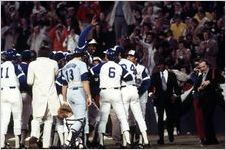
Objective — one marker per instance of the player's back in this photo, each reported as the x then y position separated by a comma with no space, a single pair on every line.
110,75
8,75
130,67
44,70
72,72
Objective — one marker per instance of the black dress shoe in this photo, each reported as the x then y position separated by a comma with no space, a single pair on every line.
210,142
171,138
101,146
160,142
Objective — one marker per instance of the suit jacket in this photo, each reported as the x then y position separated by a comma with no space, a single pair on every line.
41,75
172,86
209,92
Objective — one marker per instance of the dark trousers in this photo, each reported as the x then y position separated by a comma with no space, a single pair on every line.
198,119
208,107
168,107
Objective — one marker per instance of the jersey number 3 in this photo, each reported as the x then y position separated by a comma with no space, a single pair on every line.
4,72
69,74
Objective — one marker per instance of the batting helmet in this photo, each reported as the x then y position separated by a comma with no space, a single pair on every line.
111,54
11,54
26,55
78,52
59,56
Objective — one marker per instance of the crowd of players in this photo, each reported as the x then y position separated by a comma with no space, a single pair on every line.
165,51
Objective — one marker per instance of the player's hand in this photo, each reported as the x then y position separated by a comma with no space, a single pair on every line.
89,101
64,103
94,20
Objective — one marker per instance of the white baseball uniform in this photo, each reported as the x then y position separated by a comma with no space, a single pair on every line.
73,75
11,100
131,98
143,82
110,75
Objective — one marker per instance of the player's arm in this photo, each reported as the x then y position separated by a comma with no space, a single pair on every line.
83,35
61,81
95,70
126,76
85,82
20,74
146,82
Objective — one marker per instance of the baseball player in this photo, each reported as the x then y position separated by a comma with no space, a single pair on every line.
12,77
131,98
76,92
142,80
26,96
58,122
110,74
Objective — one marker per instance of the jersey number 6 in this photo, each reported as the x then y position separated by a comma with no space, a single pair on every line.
111,73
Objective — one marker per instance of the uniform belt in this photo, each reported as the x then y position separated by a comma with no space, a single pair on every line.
130,84
11,87
110,88
75,88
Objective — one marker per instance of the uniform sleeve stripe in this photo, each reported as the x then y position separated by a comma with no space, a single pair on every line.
146,78
58,83
21,74
126,74
91,70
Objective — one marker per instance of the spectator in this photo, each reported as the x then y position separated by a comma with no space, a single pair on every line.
37,39
148,44
57,35
9,35
71,41
121,17
178,27
38,8
182,56
24,33
208,49
85,13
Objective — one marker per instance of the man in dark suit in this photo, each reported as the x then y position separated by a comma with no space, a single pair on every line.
208,83
166,91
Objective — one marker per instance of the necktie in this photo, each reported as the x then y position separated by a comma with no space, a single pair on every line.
164,86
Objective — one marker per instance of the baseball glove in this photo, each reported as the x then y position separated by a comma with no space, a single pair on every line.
64,111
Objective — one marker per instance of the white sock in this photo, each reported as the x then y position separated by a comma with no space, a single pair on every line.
145,137
124,143
140,139
67,142
126,134
2,140
17,141
55,139
61,136
101,136
65,137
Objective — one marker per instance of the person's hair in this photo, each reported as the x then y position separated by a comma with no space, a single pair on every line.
206,61
44,52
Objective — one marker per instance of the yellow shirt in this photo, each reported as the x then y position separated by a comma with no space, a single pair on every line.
178,30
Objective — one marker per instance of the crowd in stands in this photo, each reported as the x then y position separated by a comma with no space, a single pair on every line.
179,31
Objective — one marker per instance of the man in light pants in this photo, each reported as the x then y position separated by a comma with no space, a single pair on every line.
45,103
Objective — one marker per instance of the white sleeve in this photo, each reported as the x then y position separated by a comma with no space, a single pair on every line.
30,75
